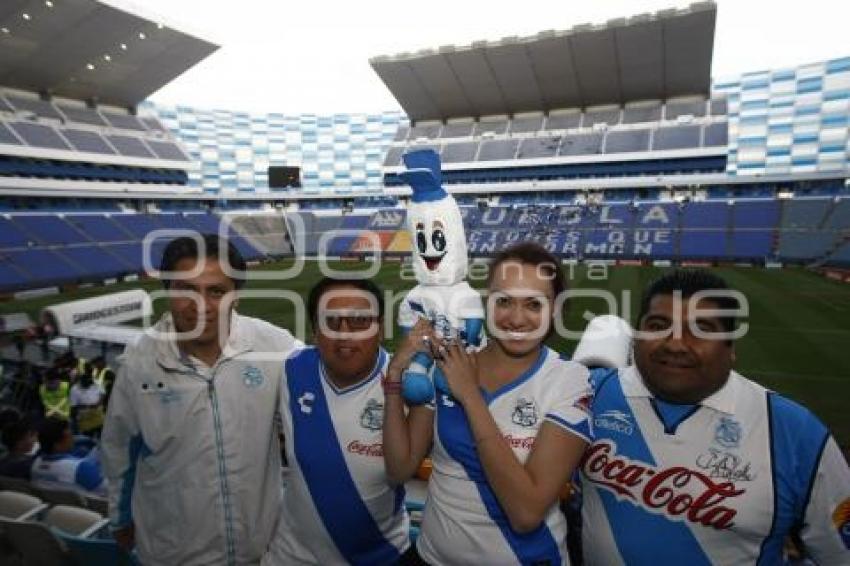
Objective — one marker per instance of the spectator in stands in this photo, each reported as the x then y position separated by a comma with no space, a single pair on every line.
58,466
190,444
54,395
509,437
102,373
20,438
87,402
8,415
339,506
689,453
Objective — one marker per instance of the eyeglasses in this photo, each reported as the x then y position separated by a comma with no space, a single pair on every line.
355,322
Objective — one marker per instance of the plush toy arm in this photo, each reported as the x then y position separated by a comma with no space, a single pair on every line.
472,328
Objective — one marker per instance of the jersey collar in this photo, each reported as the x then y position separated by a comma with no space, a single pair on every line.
722,400
376,371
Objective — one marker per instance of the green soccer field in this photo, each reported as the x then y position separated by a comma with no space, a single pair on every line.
798,342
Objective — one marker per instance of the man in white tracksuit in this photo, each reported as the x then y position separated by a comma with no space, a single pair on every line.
190,445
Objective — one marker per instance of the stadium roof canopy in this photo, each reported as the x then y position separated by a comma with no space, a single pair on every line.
649,56
85,49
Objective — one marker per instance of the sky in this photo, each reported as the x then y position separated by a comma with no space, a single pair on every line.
299,57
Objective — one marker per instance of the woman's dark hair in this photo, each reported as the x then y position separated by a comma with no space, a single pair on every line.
213,246
327,283
530,253
50,432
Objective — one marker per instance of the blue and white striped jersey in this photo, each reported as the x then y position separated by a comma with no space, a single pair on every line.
463,521
338,506
721,483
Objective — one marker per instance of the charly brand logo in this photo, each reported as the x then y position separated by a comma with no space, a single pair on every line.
677,492
616,420
252,377
372,417
728,433
525,412
841,520
724,465
306,402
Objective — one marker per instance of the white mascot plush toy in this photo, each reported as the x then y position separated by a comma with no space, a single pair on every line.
440,264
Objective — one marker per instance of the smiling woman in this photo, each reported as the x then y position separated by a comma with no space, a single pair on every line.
506,436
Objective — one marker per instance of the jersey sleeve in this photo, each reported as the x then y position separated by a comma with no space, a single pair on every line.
826,525
570,408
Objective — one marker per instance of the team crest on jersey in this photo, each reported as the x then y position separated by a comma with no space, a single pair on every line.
372,417
841,520
525,412
252,377
728,433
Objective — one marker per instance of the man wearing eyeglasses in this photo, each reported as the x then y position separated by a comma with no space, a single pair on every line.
338,506
693,463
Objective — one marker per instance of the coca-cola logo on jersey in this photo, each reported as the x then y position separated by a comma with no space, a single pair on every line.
677,492
375,450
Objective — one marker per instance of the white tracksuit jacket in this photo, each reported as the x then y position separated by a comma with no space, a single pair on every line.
192,453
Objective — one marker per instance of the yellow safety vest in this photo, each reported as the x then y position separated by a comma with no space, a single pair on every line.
56,402
99,375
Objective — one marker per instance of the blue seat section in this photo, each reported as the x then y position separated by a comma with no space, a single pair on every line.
355,222
657,215
755,214
805,245
705,215
49,229
11,276
45,267
206,223
95,260
841,256
805,213
99,227
756,245
26,167
703,244
130,254
45,250
11,236
139,225
839,218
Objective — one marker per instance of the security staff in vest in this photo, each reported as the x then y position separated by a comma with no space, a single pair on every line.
54,395
101,373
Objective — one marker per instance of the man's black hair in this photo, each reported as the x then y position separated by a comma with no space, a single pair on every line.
327,283
16,431
213,246
690,282
50,432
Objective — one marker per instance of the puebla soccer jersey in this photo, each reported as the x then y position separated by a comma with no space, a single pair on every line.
720,483
463,521
338,506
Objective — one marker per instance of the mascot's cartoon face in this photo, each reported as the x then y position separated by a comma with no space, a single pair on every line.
435,223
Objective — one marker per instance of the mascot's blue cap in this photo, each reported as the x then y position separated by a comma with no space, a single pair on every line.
423,175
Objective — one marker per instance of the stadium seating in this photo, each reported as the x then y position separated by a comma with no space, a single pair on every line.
675,126
39,250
